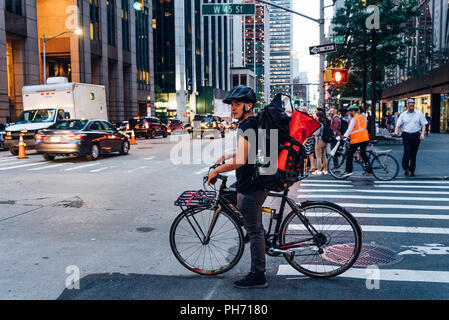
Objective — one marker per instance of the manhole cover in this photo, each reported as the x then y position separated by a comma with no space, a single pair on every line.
369,255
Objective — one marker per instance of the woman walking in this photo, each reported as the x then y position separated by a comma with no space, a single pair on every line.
320,145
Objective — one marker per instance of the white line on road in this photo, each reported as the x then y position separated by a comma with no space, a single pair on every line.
410,187
99,170
342,196
21,166
401,216
374,191
47,167
384,274
332,181
428,249
416,182
83,166
324,185
149,158
394,229
135,169
390,206
11,163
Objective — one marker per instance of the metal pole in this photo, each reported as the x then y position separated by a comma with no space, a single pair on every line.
44,66
321,98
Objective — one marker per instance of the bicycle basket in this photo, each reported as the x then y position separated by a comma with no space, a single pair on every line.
196,198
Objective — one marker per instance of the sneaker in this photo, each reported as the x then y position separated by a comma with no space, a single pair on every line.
346,174
317,173
325,172
252,280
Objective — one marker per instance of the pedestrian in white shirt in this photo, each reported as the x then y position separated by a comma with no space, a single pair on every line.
412,123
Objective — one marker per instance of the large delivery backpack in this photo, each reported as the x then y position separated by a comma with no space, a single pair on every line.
327,134
291,133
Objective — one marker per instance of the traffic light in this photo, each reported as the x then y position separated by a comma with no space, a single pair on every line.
336,76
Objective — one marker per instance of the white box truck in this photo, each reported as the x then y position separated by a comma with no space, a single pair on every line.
59,99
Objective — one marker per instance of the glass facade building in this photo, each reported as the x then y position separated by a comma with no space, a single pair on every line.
280,48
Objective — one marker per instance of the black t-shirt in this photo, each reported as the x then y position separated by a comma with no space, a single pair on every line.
245,173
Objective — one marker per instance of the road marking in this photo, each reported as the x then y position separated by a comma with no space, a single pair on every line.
47,167
324,185
332,181
390,206
342,196
10,163
149,158
135,169
401,216
99,170
8,160
374,191
428,249
394,229
410,187
83,166
415,181
21,166
384,274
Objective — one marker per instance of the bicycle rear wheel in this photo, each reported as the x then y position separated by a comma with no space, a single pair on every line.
336,165
385,167
334,247
219,254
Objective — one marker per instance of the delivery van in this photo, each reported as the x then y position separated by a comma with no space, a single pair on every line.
59,99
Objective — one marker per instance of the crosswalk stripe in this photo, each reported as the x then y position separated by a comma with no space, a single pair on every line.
384,274
149,158
332,181
391,206
83,166
410,187
401,216
375,191
324,185
20,166
47,167
416,182
394,229
365,197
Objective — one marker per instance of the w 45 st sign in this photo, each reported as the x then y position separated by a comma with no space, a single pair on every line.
228,9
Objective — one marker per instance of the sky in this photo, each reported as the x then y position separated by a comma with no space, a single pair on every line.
305,35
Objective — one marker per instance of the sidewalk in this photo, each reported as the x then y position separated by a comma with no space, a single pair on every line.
433,156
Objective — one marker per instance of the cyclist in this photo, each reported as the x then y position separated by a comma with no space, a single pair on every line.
358,133
250,197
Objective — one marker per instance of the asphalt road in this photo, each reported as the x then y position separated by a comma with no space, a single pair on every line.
110,220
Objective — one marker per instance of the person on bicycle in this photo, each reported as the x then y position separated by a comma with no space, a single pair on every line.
250,197
358,134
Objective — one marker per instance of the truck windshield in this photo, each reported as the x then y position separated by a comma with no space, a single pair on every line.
38,115
69,125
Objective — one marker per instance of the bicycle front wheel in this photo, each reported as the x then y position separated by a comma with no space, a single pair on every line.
327,244
209,257
336,165
385,167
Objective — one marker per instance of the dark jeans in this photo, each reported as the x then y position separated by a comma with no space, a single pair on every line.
250,205
411,145
350,156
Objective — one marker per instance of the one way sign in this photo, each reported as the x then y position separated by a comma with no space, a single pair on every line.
332,47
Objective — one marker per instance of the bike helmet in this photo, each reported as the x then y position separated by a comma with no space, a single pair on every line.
353,107
241,93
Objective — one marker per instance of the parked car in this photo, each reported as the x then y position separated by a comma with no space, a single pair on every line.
173,125
122,126
88,138
148,127
3,127
203,125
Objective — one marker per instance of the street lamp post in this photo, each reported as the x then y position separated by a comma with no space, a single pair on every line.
77,32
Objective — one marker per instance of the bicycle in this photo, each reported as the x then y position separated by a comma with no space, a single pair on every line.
384,166
317,238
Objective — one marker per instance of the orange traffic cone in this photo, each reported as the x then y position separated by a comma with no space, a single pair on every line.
22,153
133,138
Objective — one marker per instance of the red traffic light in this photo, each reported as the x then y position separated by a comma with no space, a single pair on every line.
340,76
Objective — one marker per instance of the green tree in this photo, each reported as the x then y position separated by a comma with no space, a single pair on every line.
159,95
356,55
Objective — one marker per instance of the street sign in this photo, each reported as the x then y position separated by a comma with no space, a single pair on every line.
336,39
228,9
323,48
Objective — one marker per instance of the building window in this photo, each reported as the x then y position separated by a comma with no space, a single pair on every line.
235,80
94,20
110,8
14,6
142,50
125,24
